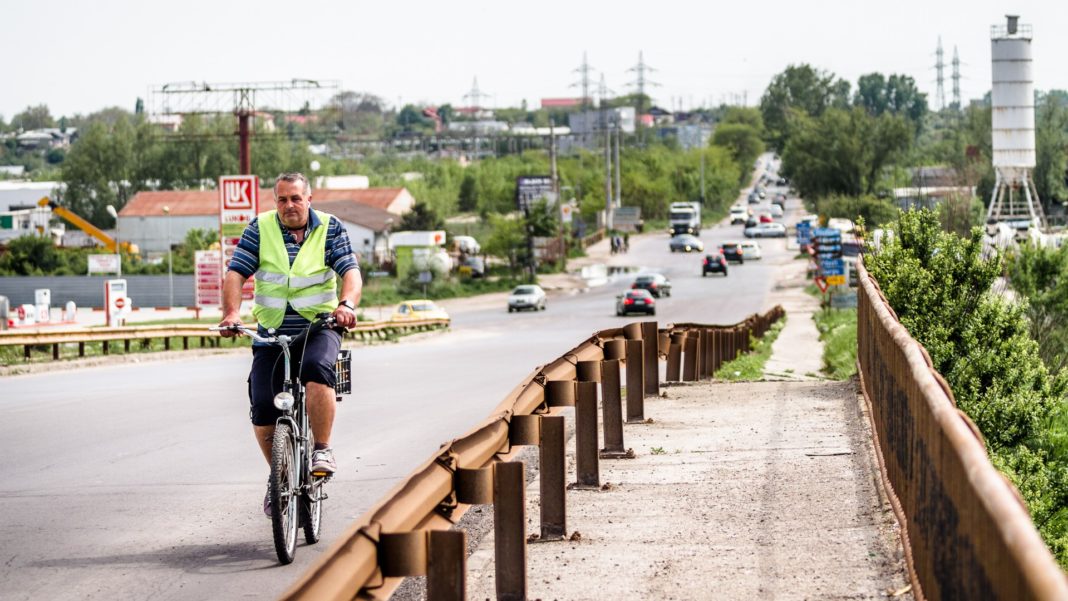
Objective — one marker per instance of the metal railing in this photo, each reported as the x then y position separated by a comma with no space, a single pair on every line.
966,531
409,532
57,338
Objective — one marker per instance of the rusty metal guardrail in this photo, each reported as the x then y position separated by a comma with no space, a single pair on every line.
408,532
56,338
967,533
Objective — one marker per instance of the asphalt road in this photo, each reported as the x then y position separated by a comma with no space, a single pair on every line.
143,481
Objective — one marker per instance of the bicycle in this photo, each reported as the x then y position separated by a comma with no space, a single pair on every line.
296,492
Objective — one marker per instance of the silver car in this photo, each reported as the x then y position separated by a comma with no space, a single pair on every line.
527,296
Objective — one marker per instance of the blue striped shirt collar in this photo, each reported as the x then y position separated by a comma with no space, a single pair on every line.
313,221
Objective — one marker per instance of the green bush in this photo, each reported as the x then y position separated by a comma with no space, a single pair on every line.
940,287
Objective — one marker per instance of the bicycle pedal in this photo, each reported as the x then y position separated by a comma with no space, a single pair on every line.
324,475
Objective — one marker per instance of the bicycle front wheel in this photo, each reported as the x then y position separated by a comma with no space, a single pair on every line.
285,488
311,511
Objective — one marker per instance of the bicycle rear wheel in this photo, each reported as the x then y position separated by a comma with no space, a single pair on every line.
285,482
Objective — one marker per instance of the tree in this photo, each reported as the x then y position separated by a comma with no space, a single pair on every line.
843,151
743,143
875,212
1051,149
508,241
744,115
799,88
421,219
896,94
468,194
34,117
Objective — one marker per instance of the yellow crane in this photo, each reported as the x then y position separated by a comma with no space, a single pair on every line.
108,242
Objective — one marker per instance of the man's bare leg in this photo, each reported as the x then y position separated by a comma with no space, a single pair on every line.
265,438
322,404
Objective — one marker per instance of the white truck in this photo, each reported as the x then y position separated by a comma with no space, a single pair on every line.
685,218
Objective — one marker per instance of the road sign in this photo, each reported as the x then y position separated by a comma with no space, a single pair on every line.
208,291
104,264
239,203
566,211
836,280
832,266
804,233
530,188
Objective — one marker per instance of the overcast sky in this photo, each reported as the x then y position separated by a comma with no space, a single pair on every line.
77,56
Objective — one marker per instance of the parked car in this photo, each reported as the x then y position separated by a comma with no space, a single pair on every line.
714,263
776,211
732,251
473,267
528,296
411,310
657,284
686,243
766,230
751,249
635,301
739,214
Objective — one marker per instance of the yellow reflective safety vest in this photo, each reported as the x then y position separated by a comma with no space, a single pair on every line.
308,285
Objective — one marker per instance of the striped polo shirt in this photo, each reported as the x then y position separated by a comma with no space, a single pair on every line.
339,257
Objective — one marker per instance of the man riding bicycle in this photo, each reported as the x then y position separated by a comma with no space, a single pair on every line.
294,252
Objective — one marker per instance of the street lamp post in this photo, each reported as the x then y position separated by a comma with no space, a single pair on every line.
170,252
118,247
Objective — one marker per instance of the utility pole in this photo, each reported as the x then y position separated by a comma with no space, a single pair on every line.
702,177
602,90
556,192
619,186
956,80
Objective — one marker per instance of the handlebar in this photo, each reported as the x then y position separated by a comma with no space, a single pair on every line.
322,322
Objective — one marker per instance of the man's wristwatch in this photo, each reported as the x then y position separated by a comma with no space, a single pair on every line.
347,305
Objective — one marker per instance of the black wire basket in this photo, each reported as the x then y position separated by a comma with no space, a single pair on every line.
343,372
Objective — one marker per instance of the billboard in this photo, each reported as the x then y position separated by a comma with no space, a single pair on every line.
530,188
239,203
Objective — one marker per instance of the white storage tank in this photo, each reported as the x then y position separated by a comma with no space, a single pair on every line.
1013,99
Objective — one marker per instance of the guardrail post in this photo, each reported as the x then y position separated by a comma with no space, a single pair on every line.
689,368
586,464
650,350
560,393
706,353
612,411
446,572
552,469
635,382
509,531
674,359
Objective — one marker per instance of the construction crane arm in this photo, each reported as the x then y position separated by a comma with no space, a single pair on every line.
108,242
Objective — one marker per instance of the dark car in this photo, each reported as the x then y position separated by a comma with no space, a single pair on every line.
635,301
751,221
732,251
655,283
686,243
715,263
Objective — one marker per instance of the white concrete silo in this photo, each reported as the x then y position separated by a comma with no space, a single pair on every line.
1012,97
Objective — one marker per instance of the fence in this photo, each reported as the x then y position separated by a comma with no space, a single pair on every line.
88,291
967,533
58,339
408,533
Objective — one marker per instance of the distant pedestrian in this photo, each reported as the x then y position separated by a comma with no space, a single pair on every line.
626,241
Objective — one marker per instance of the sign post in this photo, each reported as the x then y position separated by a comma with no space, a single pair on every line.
239,203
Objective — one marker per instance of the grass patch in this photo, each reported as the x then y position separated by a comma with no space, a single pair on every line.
838,331
750,366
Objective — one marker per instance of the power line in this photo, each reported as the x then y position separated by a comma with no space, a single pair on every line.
956,80
642,81
584,72
940,95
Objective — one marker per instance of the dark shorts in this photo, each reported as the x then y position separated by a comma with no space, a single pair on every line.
268,366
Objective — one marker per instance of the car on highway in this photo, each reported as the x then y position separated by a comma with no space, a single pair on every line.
751,221
765,217
686,243
413,310
753,198
739,214
732,251
751,249
761,192
527,296
776,211
780,200
635,301
766,230
656,283
714,263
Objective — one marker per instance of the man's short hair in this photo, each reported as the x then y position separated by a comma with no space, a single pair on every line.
293,178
